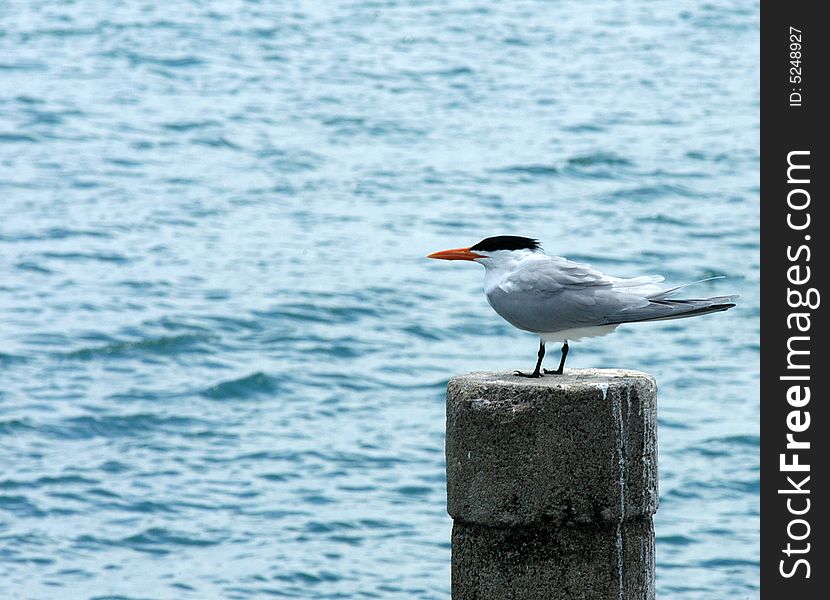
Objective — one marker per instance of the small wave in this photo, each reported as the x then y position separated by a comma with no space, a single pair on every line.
165,345
61,480
124,162
454,72
351,126
84,184
291,161
8,359
680,494
44,118
136,58
727,446
715,563
751,441
533,170
649,192
114,466
217,142
12,426
16,137
305,578
141,506
341,350
598,159
23,66
328,526
245,387
82,428
425,333
343,120
159,535
184,126
54,233
20,506
155,540
674,540
660,219
278,477
318,314
33,267
585,127
414,490
100,256
234,324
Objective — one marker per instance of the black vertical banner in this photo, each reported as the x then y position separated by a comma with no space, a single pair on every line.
794,414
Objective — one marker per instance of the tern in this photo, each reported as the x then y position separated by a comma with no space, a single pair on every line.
560,300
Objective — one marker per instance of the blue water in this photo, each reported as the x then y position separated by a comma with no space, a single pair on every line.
223,353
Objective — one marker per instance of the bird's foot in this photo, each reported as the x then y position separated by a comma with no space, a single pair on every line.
551,372
534,375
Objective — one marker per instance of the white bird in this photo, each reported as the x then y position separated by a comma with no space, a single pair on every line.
561,300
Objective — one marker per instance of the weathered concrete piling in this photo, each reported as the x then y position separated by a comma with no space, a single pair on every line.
552,484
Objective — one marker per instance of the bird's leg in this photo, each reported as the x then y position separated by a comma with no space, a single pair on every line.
537,372
561,362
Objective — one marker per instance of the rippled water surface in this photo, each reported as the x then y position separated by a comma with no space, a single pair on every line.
223,354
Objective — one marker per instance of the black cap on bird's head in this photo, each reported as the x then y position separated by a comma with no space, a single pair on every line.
488,245
506,242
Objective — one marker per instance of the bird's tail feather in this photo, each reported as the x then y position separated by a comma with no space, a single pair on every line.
663,309
663,294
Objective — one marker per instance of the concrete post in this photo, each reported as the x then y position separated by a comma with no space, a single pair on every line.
552,484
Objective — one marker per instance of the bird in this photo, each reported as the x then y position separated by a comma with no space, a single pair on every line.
561,300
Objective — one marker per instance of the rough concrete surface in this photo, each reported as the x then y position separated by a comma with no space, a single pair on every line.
577,448
590,562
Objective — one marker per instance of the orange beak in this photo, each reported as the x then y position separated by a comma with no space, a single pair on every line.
455,254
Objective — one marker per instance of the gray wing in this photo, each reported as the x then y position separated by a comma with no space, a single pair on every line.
555,294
